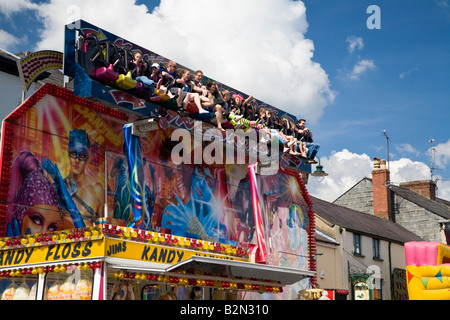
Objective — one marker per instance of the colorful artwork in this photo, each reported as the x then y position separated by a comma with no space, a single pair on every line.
74,163
208,202
58,152
288,228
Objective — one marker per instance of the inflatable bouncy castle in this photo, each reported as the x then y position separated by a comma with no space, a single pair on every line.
428,270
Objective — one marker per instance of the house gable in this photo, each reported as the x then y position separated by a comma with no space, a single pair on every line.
413,211
418,214
359,197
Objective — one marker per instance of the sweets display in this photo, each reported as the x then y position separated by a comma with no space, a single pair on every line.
19,292
73,288
22,292
9,293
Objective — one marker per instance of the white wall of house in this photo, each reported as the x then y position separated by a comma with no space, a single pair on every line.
11,93
392,256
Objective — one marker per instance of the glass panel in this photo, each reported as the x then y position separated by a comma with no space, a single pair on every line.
23,288
72,284
357,243
151,292
376,248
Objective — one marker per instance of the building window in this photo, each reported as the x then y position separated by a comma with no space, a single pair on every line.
376,248
357,244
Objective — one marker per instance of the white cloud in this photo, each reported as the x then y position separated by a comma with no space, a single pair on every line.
361,67
354,43
257,47
9,41
403,75
10,7
443,188
442,154
345,169
442,3
406,148
405,169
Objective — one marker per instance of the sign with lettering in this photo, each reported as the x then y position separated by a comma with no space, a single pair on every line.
400,288
52,253
153,253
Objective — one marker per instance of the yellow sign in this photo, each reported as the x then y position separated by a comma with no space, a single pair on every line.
63,252
52,253
153,253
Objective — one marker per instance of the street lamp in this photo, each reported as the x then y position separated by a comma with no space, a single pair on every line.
320,174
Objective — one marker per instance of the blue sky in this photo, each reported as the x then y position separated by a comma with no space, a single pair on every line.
363,80
407,94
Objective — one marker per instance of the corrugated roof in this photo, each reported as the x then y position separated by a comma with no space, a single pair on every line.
362,223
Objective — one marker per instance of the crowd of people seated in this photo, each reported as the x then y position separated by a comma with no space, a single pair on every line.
195,97
207,102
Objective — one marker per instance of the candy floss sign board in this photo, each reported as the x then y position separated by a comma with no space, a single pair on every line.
53,160
155,253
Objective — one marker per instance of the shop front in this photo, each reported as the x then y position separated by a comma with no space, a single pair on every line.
116,263
58,266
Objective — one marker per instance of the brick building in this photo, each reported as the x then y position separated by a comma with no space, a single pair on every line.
364,254
413,205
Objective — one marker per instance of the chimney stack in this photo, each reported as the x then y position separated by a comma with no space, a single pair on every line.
381,192
426,188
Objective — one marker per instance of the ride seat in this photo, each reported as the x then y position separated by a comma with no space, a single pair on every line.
126,81
106,74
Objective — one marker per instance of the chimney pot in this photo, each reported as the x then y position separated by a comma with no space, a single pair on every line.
376,163
380,190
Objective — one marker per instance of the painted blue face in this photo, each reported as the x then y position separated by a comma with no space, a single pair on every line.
78,150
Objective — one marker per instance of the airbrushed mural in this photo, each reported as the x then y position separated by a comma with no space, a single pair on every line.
75,162
58,165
